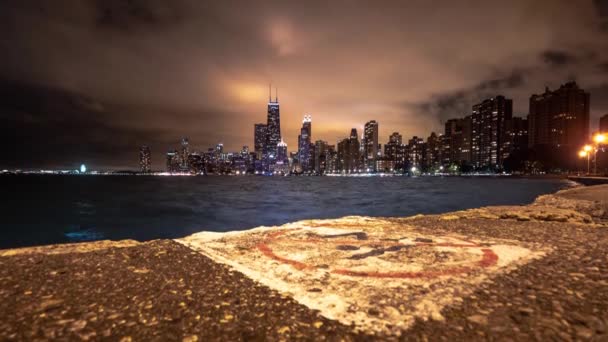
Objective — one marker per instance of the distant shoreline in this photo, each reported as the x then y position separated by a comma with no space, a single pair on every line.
362,175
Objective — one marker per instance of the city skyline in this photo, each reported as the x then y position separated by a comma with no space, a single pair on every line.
104,78
487,139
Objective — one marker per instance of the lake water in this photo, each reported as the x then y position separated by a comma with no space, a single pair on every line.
44,209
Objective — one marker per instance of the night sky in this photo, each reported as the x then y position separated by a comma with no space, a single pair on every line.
90,81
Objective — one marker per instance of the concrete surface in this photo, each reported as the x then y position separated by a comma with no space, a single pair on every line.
536,272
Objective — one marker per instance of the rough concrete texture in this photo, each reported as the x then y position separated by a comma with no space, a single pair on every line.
552,286
358,270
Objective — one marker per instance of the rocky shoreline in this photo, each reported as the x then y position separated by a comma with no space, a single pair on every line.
178,290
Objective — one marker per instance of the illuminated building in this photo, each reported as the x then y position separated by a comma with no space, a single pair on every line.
370,150
196,163
259,139
184,155
331,159
394,151
558,124
305,156
385,165
516,135
273,132
281,165
433,149
488,131
456,141
320,157
348,154
145,159
173,161
416,148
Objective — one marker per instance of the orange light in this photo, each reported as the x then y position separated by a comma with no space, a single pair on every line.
599,138
582,154
587,148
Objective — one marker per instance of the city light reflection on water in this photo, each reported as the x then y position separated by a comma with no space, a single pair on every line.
43,209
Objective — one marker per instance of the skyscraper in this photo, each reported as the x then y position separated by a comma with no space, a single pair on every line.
558,124
273,132
304,155
390,148
184,155
259,139
282,162
433,149
173,161
145,159
320,156
488,131
371,145
196,163
417,152
516,135
348,153
457,140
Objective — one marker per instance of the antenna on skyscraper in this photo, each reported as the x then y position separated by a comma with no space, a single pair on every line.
269,92
276,98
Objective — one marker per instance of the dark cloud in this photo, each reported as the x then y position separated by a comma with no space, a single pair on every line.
515,80
54,128
459,103
558,58
93,79
137,14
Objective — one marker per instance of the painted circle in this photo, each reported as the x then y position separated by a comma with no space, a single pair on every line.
488,258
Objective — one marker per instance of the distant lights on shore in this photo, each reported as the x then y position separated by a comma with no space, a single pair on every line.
83,168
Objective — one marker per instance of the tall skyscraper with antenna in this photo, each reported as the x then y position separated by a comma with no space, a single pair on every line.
273,131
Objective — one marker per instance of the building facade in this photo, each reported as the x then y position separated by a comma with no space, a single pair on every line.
488,131
416,149
349,154
183,155
370,147
320,157
145,159
305,157
259,139
558,124
173,161
273,133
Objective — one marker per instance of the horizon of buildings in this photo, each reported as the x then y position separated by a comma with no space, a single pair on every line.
489,139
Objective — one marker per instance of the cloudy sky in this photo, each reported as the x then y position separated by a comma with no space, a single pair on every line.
90,81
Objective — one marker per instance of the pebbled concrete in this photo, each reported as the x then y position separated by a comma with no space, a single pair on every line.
163,290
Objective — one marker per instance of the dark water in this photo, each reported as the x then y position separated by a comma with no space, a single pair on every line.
39,210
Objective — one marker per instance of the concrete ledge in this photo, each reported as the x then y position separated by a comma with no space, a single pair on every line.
509,272
590,180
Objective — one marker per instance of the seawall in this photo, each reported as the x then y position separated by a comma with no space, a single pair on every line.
538,271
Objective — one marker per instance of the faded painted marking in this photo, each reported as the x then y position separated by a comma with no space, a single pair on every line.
489,258
378,275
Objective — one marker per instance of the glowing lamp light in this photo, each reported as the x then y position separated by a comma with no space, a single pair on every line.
599,138
587,148
413,169
582,154
83,168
